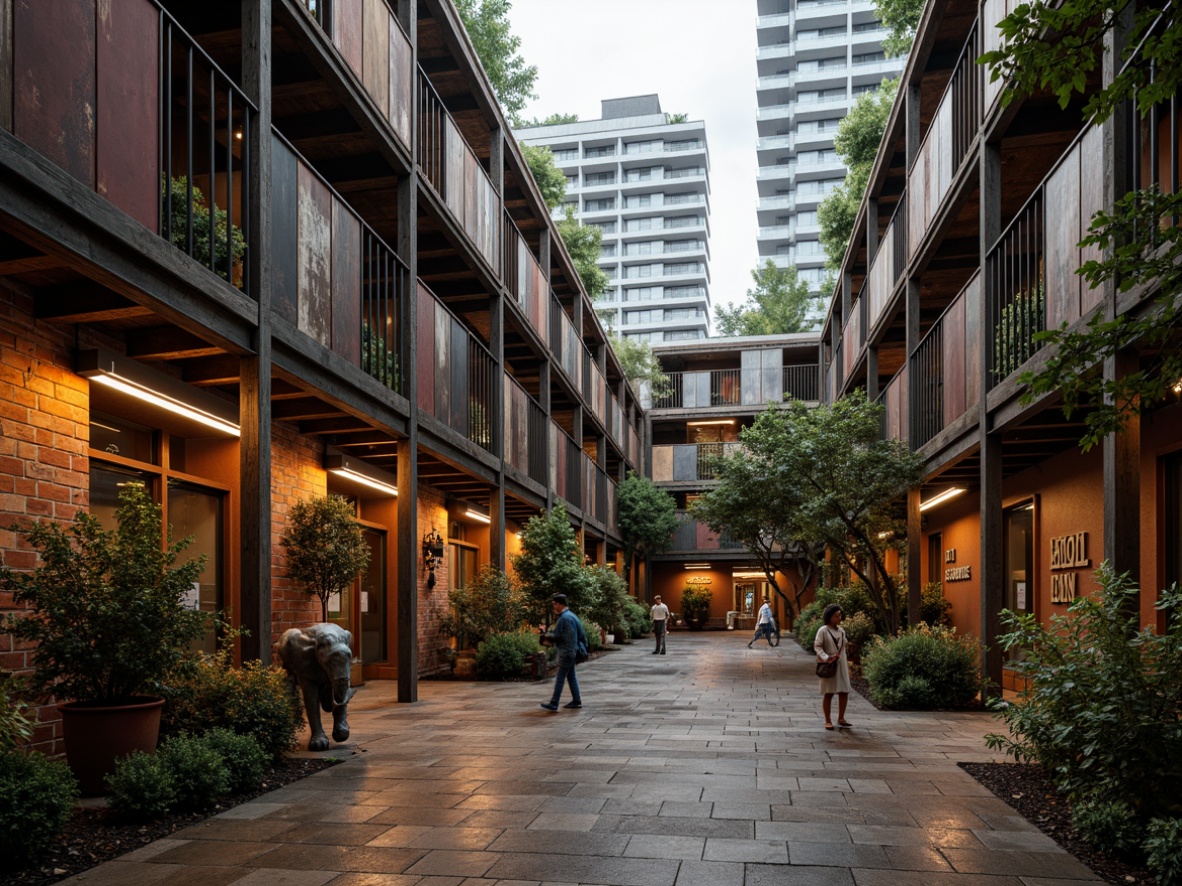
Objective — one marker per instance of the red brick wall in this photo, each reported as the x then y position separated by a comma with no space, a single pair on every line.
433,606
297,473
44,470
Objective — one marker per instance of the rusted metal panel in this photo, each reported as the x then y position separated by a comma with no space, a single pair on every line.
346,283
972,342
954,367
1091,200
284,232
455,152
442,368
402,84
54,92
127,138
347,16
376,55
426,351
1062,236
6,65
459,385
315,256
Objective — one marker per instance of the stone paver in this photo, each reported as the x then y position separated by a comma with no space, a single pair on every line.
709,768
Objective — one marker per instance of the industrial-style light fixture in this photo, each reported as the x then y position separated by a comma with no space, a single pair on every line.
432,554
357,471
715,421
941,498
476,515
696,566
128,376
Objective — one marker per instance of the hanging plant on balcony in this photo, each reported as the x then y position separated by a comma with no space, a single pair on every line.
176,212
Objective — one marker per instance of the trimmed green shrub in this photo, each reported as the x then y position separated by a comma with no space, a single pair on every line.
1109,825
254,700
934,606
245,761
639,619
37,796
1163,850
591,629
859,628
490,604
922,668
502,656
141,788
197,770
695,605
1102,711
611,599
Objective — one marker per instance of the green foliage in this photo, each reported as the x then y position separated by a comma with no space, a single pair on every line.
856,143
1016,331
502,656
1059,47
37,796
197,770
591,629
1103,711
639,619
15,725
695,604
584,242
901,18
377,359
326,549
254,700
550,563
923,668
244,758
640,364
108,614
490,604
934,606
1108,825
859,628
549,178
557,119
141,788
487,23
677,118
179,230
646,517
775,306
1163,850
611,598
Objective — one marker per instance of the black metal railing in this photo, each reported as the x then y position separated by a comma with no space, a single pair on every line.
803,382
967,88
432,135
205,129
1016,290
385,282
927,400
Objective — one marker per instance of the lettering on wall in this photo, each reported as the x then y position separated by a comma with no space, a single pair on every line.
956,573
1067,552
698,580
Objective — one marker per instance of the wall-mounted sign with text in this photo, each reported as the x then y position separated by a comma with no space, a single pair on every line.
1067,552
698,580
956,573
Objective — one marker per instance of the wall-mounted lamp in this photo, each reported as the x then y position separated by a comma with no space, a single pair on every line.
128,376
357,471
941,498
432,554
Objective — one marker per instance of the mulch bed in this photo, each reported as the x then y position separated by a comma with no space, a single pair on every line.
94,836
1029,791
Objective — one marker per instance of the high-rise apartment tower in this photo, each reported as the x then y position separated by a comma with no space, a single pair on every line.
815,58
644,181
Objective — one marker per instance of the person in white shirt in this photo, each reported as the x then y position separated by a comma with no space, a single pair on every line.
660,622
766,624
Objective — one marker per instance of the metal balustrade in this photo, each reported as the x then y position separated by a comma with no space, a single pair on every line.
803,382
1016,290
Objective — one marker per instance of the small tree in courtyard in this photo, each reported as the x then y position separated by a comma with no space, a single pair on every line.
326,549
647,518
550,563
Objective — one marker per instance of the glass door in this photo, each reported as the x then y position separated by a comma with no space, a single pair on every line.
1018,526
372,600
198,512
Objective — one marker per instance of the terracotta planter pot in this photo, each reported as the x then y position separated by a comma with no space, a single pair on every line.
97,737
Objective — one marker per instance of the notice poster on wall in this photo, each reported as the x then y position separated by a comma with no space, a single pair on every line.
192,599
334,602
365,601
1020,591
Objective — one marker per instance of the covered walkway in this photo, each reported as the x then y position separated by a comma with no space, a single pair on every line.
705,767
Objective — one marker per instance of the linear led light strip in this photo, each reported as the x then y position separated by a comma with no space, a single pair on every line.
941,498
364,480
140,392
476,515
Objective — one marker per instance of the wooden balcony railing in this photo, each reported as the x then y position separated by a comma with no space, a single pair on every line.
136,111
525,432
894,401
566,466
376,48
944,367
333,277
454,172
889,261
565,343
455,371
853,336
524,278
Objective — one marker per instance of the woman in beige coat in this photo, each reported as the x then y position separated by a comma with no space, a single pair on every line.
831,645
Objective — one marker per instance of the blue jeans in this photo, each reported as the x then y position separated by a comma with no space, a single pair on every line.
566,673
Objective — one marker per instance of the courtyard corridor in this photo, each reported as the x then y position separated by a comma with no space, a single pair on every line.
706,767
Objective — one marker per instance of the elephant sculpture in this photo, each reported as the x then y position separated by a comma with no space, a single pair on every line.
318,659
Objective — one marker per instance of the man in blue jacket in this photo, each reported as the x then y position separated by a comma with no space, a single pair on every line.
569,639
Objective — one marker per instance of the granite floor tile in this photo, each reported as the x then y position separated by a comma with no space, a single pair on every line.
775,875
665,846
710,873
1018,864
747,851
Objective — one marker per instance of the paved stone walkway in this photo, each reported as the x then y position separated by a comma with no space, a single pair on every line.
707,767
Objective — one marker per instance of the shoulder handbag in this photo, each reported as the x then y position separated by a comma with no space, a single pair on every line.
827,669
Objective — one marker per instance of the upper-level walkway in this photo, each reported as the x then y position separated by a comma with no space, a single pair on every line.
706,767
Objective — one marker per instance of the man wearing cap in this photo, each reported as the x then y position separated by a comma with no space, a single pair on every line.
568,638
660,622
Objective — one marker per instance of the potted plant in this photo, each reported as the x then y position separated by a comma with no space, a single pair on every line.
695,606
108,614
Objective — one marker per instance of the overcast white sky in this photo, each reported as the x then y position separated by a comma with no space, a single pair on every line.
698,56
